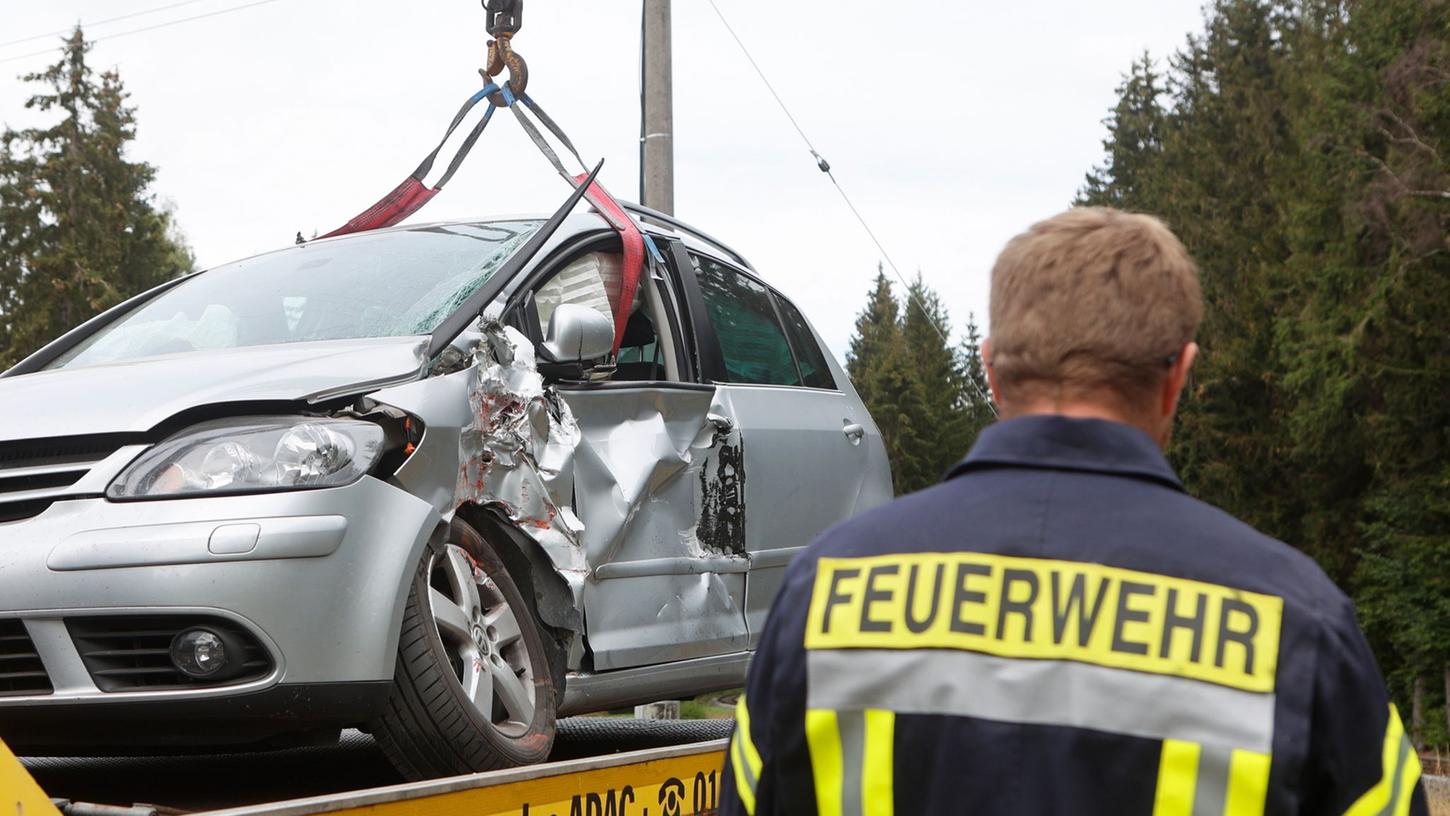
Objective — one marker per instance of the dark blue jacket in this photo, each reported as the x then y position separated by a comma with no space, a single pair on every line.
1060,628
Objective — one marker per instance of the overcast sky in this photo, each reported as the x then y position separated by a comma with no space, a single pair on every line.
953,125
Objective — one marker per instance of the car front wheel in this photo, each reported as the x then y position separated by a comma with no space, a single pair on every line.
472,690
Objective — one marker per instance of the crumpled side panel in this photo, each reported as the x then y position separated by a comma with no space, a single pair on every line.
517,453
649,466
721,530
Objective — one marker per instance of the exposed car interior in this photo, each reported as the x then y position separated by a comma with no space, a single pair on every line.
646,353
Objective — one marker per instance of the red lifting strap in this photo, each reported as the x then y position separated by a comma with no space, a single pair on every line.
410,196
405,199
633,251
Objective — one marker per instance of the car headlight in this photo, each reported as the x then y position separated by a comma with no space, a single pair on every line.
251,455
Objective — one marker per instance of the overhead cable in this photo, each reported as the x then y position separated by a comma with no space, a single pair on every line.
825,167
93,24
167,24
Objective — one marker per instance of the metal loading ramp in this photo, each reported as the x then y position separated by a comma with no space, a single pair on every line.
599,766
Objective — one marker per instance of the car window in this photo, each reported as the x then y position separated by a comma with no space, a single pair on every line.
386,284
750,335
592,280
812,360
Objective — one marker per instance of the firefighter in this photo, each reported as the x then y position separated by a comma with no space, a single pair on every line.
1058,628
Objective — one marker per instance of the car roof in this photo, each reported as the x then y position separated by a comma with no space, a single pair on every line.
649,221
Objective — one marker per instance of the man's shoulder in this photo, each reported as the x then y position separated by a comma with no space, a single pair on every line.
877,530
1258,559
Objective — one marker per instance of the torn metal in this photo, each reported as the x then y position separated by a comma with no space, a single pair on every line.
649,470
648,473
722,502
517,452
656,475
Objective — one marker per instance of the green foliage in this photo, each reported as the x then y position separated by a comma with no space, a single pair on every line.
978,393
1135,143
79,231
928,397
1299,148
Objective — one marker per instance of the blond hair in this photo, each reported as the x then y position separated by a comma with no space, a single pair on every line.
1092,298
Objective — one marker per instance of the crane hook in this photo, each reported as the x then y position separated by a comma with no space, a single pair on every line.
505,18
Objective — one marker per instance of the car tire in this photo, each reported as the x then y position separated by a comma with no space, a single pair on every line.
452,709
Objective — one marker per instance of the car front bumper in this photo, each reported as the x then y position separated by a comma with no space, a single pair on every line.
317,579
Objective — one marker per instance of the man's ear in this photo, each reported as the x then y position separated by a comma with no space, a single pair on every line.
1177,377
991,372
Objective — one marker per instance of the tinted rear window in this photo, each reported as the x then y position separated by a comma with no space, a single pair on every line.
751,338
812,360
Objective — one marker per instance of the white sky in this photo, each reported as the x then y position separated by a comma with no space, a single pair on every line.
953,125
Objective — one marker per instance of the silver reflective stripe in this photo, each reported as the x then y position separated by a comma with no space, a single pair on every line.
737,749
853,758
1211,792
1395,792
1040,692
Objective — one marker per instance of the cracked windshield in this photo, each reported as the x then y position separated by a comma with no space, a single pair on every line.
395,284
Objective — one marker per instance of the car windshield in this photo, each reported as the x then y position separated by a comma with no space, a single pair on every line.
392,284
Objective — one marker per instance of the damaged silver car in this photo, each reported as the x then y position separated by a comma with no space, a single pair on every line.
402,481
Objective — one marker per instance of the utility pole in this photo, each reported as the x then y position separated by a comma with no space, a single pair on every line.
657,138
657,171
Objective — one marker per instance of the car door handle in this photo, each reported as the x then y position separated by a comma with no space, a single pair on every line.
723,424
854,432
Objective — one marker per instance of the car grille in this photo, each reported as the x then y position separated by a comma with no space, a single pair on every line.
134,653
35,473
20,669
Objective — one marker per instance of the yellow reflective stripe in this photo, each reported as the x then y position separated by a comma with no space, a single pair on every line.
1248,784
1177,779
752,756
744,787
1381,798
823,737
744,757
878,796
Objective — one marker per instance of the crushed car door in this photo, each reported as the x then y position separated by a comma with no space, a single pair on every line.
804,464
652,453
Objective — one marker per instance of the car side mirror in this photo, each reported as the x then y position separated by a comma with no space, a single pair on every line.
577,334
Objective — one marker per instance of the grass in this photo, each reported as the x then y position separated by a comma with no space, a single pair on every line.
708,707
717,705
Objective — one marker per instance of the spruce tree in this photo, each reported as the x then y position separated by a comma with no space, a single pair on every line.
875,361
876,334
976,393
1396,136
1127,178
938,410
918,387
1225,148
79,229
1302,160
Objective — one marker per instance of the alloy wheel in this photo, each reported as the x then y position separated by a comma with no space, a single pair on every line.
480,633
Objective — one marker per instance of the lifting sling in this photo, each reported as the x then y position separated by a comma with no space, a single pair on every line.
505,17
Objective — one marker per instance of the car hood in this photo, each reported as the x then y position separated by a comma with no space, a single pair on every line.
137,395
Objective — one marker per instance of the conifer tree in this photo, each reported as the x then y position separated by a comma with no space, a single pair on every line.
876,361
924,393
1127,179
976,392
877,330
1302,159
938,386
79,229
